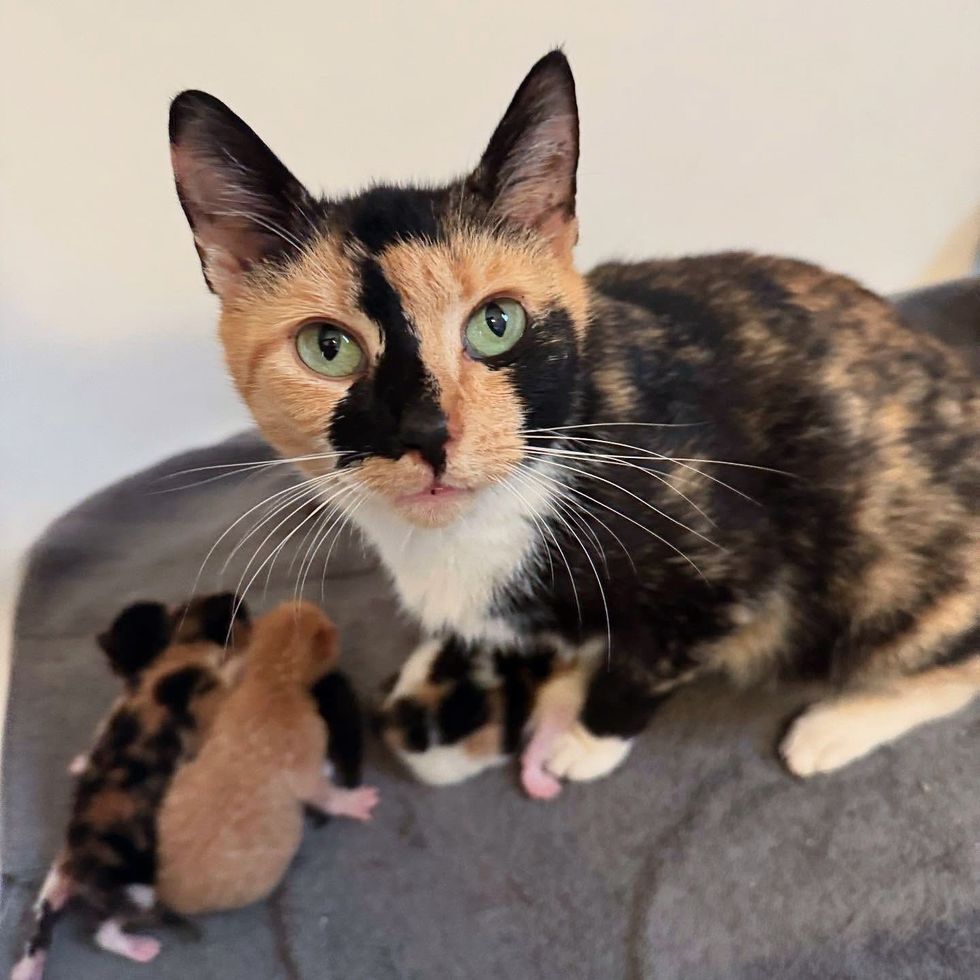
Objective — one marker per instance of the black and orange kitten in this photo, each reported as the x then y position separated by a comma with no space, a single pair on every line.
733,463
177,666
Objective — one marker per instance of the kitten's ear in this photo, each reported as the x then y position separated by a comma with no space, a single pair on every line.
528,169
242,203
137,636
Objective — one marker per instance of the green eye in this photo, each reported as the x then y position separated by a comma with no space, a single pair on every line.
495,327
329,350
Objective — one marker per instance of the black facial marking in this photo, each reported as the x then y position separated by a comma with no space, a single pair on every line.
175,691
545,367
385,215
394,409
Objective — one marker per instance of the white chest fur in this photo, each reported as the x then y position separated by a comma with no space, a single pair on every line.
449,577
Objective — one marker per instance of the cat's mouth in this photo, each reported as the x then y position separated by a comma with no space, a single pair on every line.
437,503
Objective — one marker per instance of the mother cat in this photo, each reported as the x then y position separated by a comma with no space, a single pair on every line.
733,462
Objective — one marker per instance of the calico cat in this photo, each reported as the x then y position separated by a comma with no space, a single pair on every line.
729,463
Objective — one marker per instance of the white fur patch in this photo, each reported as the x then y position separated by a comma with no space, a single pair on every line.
579,755
448,577
447,764
142,896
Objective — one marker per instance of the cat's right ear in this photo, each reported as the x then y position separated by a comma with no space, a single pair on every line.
242,204
528,170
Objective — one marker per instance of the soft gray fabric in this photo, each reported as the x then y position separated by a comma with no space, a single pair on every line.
699,858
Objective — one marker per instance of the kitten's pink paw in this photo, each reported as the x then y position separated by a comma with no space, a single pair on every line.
354,803
142,949
29,968
538,784
139,949
77,765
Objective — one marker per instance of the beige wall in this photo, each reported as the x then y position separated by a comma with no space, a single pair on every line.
845,132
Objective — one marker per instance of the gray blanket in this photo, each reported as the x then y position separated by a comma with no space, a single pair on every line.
699,858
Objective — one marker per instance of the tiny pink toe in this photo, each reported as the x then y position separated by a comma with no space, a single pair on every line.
539,785
142,949
29,968
358,803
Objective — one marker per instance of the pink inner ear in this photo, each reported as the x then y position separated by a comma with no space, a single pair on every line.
537,189
222,212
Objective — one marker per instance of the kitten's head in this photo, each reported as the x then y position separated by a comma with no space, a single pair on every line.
405,336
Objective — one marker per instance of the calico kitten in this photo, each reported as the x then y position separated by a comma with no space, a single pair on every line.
449,715
175,666
729,463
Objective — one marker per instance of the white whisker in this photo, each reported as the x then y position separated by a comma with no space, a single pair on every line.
646,503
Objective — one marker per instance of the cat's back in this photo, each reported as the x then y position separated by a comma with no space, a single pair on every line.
769,330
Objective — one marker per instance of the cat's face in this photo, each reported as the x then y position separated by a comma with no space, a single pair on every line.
406,337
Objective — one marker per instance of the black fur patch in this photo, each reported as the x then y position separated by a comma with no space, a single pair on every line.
41,940
544,366
413,721
137,864
339,707
395,408
453,661
616,704
383,216
137,636
176,690
462,711
218,614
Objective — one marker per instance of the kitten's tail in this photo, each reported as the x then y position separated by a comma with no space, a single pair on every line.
55,894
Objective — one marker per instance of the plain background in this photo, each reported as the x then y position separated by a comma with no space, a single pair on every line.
841,131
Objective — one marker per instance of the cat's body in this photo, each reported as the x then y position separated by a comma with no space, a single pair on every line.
730,462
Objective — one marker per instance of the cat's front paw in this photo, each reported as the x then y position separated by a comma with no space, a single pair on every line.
829,735
579,755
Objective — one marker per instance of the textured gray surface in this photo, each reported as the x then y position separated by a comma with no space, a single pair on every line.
700,858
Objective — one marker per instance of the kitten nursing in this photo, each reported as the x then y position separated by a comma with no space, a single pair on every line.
191,798
232,821
732,463
176,666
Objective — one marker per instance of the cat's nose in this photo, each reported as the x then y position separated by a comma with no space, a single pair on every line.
425,429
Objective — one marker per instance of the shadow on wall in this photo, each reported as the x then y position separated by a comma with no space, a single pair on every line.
78,415
959,255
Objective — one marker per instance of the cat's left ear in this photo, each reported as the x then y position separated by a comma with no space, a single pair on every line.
527,173
242,204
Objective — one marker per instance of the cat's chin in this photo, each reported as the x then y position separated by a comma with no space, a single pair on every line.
437,506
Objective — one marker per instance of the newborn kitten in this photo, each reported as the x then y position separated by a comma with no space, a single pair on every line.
175,666
449,716
232,819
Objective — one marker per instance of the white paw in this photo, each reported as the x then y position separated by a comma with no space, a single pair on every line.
826,737
578,754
